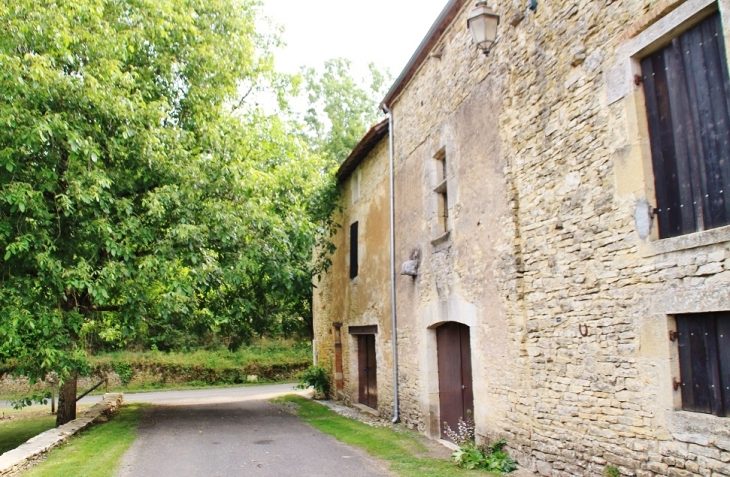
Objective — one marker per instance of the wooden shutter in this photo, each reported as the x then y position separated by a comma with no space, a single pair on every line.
704,360
723,349
687,92
353,250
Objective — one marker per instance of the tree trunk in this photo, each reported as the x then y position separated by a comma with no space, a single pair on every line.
67,401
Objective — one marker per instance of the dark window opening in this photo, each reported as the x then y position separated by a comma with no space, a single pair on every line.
687,92
353,250
704,361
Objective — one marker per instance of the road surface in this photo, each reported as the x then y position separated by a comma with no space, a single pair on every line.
235,432
207,396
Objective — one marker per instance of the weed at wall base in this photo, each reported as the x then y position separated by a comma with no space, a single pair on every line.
491,456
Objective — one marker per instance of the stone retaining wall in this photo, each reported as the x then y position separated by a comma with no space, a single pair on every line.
14,462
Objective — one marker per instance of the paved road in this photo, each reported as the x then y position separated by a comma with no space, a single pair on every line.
244,437
200,396
206,396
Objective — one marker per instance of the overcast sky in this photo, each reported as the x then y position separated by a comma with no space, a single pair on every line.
385,32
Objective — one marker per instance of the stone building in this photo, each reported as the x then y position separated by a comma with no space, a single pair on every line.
561,209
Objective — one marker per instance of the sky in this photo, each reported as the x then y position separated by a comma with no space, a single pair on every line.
385,32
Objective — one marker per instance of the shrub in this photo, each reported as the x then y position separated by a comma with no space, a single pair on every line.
491,457
318,378
125,372
611,471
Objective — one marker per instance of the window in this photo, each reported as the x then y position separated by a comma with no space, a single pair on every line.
687,94
704,361
353,250
442,191
356,180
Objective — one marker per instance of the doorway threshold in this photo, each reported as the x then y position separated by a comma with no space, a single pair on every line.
448,444
365,408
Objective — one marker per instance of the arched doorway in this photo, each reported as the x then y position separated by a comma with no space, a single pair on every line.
456,395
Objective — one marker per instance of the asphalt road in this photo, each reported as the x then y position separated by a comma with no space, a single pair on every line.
235,432
206,396
199,396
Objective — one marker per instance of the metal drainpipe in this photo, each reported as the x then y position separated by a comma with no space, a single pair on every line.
396,412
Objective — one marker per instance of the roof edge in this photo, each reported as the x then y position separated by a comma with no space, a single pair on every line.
445,18
368,142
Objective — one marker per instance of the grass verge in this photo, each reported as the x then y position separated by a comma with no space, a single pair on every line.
19,426
96,452
270,360
407,455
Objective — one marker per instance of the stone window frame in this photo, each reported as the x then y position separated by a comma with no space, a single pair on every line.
649,35
634,182
356,186
442,190
440,197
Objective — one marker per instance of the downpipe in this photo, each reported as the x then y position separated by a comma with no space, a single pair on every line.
394,338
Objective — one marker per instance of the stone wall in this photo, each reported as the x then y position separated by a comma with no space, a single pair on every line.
550,256
20,385
364,300
559,189
16,461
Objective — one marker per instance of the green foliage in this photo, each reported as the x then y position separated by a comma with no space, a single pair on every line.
491,457
316,377
270,360
142,199
37,397
96,452
401,448
342,108
125,372
611,471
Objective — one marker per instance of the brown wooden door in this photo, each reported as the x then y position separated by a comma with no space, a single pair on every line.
368,386
456,394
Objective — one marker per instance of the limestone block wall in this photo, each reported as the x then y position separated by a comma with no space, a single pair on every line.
548,150
364,300
573,128
450,110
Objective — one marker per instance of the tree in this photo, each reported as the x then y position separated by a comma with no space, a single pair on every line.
342,108
138,190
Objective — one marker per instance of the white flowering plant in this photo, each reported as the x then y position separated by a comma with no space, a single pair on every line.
491,457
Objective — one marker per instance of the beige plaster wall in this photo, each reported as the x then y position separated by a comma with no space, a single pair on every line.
364,300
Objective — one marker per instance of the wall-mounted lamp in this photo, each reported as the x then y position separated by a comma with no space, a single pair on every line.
532,5
483,23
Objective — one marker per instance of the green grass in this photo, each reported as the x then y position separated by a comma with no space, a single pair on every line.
407,455
272,360
264,353
23,425
96,452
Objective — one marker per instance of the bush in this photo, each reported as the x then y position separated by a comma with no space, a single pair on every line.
125,372
316,377
491,457
611,471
